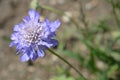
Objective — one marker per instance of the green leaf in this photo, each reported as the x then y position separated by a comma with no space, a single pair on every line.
115,56
91,63
112,69
103,75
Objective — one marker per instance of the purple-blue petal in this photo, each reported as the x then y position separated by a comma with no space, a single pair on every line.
12,44
54,25
24,58
51,35
32,53
49,42
40,52
34,15
44,44
53,42
35,56
14,36
26,19
18,27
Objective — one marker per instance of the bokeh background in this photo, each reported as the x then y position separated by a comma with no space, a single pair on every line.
89,38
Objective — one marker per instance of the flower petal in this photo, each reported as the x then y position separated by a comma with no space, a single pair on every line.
40,52
26,19
12,44
14,36
51,35
31,53
45,44
34,15
18,27
54,25
35,56
48,43
54,42
24,58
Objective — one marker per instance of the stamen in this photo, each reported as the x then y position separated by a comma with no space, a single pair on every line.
33,35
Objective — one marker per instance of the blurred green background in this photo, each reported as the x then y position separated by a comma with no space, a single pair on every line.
89,38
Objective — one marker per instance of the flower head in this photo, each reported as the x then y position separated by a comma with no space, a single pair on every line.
32,36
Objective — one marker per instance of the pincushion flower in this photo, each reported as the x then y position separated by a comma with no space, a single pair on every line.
32,36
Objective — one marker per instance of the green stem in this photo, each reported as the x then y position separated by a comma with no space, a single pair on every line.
67,63
51,9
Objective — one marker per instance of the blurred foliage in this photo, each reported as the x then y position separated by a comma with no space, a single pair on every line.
100,47
102,42
63,78
6,38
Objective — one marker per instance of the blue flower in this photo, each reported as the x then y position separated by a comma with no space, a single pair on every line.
32,36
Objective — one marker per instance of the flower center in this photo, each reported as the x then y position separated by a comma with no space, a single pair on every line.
32,35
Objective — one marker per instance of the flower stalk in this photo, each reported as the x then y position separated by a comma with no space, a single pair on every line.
66,63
